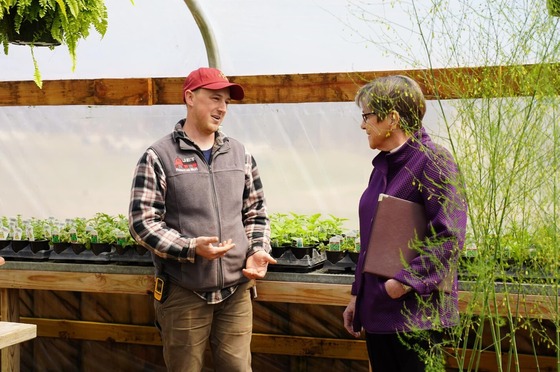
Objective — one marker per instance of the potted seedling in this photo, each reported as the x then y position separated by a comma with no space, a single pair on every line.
18,230
280,239
101,233
39,234
76,233
5,238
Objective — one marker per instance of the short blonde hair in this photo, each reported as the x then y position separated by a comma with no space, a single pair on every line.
396,92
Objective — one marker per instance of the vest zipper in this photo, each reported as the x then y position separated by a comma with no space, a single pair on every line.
217,210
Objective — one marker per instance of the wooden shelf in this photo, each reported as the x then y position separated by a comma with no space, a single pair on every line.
13,333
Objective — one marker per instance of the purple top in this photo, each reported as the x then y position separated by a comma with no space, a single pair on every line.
422,172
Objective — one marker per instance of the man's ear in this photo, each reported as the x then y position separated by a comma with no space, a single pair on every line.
189,95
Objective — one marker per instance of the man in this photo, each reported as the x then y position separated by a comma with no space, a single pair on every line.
197,204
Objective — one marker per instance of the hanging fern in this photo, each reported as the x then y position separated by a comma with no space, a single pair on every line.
61,21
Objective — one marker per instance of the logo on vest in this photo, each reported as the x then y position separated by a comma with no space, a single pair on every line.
186,164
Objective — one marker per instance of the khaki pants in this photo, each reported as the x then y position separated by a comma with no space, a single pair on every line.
187,323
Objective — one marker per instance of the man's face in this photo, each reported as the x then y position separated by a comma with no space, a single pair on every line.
207,108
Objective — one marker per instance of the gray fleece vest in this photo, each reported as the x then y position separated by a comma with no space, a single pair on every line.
205,200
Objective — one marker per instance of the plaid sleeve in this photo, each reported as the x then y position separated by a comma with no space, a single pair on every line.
147,211
255,217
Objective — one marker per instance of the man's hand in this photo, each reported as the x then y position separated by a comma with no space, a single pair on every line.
205,247
257,265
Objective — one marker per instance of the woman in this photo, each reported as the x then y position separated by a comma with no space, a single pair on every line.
409,166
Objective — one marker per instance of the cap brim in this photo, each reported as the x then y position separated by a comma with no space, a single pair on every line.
235,90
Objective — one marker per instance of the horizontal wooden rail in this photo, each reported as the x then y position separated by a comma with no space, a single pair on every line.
521,305
306,293
76,281
149,335
319,347
487,361
444,83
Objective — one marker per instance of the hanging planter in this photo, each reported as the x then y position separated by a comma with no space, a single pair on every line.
50,23
33,32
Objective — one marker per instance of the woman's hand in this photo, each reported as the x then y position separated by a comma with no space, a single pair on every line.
348,317
396,289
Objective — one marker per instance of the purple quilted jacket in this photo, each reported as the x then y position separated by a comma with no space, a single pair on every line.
422,172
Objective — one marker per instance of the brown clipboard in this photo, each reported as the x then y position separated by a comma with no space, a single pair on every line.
397,225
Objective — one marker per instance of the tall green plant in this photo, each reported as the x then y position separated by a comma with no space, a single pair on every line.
503,128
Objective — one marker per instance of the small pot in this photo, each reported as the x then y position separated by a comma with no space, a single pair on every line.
60,247
39,245
36,32
120,249
335,256
18,245
277,252
301,252
98,248
354,256
140,249
78,247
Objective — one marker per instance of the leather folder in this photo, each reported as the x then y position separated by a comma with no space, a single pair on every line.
397,225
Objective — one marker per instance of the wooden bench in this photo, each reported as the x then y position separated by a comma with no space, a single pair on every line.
11,335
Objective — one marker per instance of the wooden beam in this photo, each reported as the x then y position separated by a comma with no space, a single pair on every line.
95,331
149,335
320,347
477,360
303,293
444,83
518,305
77,281
77,92
334,348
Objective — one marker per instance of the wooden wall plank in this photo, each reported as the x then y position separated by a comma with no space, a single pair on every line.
445,83
334,348
95,331
77,281
520,305
316,293
149,335
487,361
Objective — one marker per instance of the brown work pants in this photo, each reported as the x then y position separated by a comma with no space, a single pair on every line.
187,323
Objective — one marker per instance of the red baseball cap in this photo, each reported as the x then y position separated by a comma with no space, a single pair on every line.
214,79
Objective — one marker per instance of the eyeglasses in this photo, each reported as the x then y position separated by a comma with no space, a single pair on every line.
367,115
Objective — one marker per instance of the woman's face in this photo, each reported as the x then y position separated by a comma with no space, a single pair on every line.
378,131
